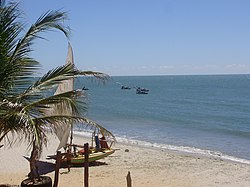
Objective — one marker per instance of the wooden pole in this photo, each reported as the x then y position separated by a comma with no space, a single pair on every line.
129,181
58,163
86,165
68,159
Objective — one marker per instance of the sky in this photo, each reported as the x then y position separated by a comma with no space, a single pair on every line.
148,37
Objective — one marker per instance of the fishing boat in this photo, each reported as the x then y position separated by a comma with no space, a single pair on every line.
74,153
140,90
84,88
125,88
94,154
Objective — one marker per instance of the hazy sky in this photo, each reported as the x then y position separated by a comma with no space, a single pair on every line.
148,37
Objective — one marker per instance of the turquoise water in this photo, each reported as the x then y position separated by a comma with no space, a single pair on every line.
207,114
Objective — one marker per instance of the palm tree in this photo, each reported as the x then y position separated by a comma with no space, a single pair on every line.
22,108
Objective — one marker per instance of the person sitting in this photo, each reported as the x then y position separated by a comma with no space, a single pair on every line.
97,143
103,143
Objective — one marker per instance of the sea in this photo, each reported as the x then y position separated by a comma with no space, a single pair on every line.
195,114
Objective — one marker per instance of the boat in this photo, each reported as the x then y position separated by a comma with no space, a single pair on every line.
73,154
125,88
79,158
84,88
140,90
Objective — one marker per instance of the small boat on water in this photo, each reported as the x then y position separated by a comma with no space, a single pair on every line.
84,88
140,90
125,88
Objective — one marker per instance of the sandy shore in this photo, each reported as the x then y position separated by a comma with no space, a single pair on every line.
148,167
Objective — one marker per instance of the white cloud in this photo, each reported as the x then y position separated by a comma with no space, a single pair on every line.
229,66
172,69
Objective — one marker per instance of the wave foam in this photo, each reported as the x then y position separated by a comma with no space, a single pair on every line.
183,149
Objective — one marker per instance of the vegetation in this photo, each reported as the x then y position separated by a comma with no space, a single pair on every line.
23,108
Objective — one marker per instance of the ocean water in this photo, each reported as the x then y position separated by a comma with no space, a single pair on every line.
208,114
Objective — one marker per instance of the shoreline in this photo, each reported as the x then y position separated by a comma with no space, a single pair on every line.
183,150
148,167
192,154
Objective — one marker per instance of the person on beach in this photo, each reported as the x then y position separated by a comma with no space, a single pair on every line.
103,142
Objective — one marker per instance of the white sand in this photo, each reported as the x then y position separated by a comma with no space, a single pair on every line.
148,167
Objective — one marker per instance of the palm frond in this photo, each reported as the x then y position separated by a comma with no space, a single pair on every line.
14,50
55,76
98,75
52,19
10,28
11,120
48,21
60,120
60,102
61,73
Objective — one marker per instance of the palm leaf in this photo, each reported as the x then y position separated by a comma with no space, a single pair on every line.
48,21
60,120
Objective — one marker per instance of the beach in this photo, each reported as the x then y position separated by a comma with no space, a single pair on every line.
148,167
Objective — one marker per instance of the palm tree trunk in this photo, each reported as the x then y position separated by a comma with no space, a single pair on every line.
34,174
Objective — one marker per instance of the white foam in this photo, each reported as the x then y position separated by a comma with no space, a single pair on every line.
86,134
183,149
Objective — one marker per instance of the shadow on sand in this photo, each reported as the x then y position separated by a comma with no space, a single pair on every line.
91,164
48,167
